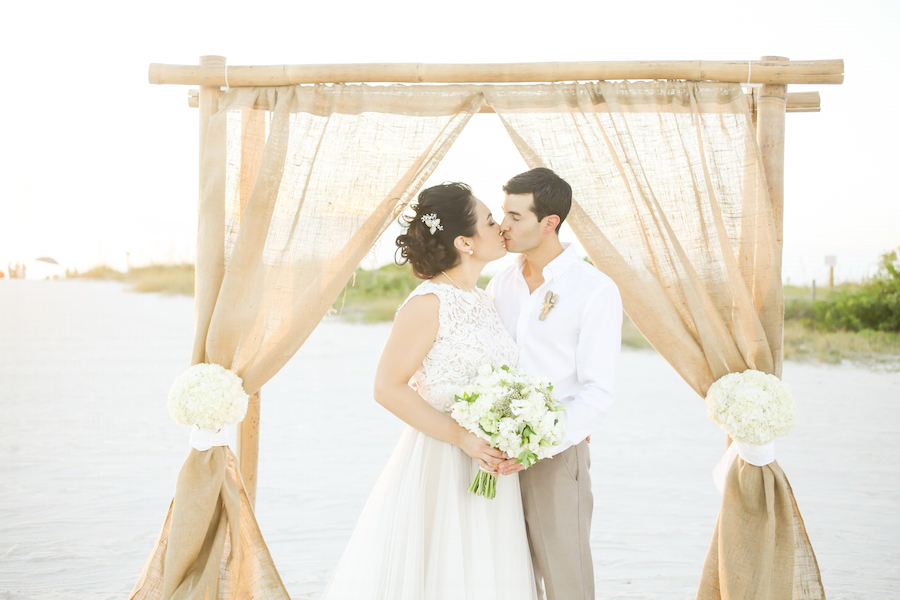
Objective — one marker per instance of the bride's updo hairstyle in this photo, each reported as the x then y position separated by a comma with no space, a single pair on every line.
453,207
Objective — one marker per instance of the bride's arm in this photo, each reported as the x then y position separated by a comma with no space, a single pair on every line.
412,335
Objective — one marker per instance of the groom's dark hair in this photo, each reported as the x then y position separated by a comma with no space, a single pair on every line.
552,195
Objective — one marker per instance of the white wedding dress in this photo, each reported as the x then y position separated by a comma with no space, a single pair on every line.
422,535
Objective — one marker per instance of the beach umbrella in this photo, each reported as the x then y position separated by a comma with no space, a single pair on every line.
47,259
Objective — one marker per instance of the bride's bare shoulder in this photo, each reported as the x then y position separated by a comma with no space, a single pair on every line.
420,307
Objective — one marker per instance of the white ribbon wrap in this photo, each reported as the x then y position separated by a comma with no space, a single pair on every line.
204,439
758,456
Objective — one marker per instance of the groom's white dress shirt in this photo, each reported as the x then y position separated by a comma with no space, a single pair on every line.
576,346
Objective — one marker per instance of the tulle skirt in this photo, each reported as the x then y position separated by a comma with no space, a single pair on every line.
423,536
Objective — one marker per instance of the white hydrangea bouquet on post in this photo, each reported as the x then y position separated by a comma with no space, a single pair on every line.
208,396
753,408
513,411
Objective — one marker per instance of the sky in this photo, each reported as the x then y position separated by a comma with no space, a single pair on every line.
99,166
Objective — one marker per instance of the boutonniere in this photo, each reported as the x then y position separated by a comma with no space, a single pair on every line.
550,301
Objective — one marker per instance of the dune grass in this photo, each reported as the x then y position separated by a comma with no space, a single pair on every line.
876,348
373,296
104,272
166,279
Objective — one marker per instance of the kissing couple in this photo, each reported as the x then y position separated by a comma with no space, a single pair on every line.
422,535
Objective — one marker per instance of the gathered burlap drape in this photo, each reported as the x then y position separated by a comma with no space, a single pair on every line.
292,198
671,202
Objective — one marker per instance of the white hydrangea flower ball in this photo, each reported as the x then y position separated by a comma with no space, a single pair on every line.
209,396
752,407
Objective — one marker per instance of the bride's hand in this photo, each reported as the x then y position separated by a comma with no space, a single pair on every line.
510,466
487,458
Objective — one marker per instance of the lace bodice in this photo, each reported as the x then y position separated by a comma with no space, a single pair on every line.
469,335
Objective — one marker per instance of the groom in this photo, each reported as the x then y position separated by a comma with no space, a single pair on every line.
566,317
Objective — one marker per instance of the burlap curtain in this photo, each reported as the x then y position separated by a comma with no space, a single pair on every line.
671,202
297,184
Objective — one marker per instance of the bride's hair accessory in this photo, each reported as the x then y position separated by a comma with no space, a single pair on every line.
448,207
432,222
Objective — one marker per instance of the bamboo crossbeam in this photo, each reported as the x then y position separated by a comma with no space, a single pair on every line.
796,102
758,71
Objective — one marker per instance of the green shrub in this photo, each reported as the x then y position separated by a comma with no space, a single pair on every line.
799,309
875,305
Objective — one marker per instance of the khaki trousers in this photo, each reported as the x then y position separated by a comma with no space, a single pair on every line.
558,503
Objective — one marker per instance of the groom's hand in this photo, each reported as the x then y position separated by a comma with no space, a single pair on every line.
510,466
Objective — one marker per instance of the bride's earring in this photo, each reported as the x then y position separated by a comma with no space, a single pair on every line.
471,252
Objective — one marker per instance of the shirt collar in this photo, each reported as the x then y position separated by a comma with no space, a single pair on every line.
556,267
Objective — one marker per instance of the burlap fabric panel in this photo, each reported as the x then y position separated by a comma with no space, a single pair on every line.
297,183
670,200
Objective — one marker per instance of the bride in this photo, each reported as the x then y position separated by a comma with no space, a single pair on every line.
422,535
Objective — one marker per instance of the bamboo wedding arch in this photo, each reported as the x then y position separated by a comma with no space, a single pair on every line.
707,319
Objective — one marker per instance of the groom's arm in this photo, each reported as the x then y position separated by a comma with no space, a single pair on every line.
596,357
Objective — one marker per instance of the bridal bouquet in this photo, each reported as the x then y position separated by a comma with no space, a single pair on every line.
209,396
752,407
513,411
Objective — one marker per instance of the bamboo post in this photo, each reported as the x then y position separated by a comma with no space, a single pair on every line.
770,137
248,429
208,102
753,100
248,448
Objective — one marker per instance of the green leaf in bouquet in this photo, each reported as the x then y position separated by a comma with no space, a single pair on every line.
527,458
470,398
527,433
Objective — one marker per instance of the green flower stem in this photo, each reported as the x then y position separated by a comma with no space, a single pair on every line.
484,484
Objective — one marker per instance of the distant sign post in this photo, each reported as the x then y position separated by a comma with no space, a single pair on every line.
830,261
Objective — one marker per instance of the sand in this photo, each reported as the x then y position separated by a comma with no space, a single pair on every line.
90,455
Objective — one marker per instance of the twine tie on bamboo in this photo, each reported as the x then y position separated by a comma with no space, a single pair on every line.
749,74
